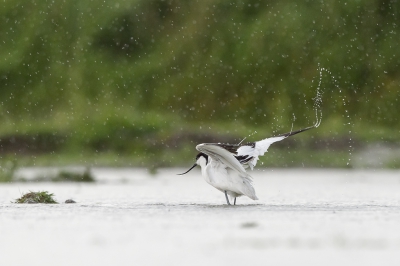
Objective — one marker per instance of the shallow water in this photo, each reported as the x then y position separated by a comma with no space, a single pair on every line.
303,217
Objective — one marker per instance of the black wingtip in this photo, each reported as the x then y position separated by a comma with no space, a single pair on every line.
295,132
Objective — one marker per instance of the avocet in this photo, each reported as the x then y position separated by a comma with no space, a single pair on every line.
223,166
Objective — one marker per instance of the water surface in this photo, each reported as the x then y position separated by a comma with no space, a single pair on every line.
129,217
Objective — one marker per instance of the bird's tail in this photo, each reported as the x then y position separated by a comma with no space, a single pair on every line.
248,188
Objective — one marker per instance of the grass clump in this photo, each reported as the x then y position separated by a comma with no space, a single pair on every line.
37,197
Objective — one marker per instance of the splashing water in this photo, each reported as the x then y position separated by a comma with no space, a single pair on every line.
255,132
294,119
318,103
318,99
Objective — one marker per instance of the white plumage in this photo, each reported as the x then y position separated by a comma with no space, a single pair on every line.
259,149
223,165
224,172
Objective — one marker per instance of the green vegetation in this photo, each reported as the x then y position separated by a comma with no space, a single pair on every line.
140,82
61,176
68,176
37,197
7,169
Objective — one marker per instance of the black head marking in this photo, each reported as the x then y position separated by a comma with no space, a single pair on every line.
202,154
195,164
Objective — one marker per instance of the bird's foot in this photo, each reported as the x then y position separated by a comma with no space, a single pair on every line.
227,200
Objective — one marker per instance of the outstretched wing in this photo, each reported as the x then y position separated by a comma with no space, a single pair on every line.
218,153
236,156
248,153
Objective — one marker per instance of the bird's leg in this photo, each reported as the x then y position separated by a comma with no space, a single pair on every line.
234,202
227,200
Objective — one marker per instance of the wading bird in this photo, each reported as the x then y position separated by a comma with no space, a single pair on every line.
223,165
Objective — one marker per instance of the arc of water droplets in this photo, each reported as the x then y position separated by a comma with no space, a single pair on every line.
318,99
318,102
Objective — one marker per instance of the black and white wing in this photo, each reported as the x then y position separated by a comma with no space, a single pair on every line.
248,153
237,156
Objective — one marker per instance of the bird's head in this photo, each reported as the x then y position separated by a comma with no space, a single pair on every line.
201,159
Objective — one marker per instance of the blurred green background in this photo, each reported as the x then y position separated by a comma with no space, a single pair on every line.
141,82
